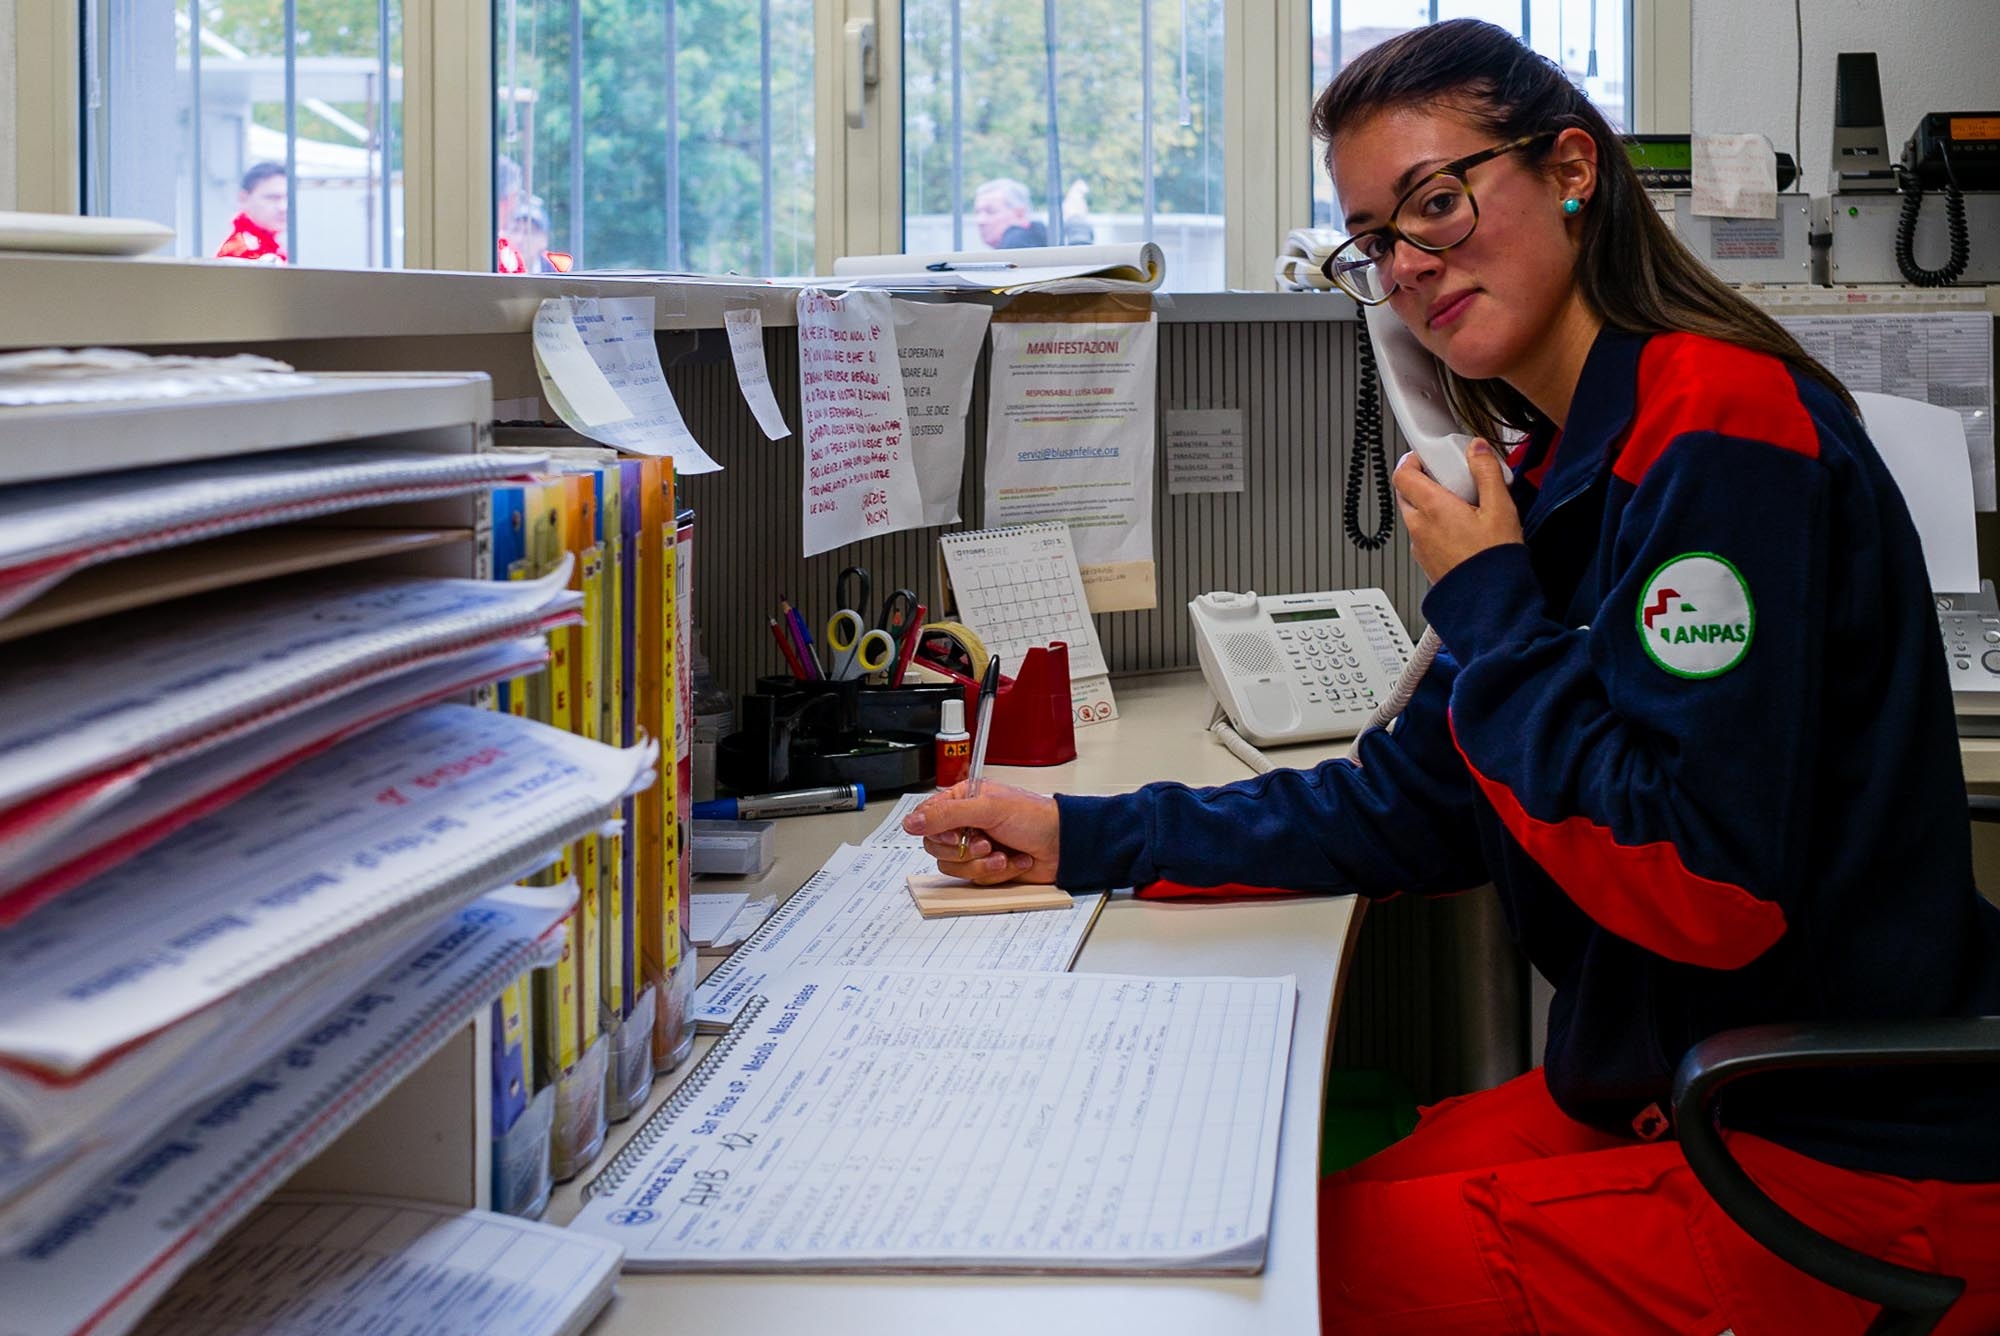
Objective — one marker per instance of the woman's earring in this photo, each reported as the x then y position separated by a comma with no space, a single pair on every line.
1572,207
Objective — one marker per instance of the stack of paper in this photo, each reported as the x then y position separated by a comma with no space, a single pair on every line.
86,714
1132,267
360,1266
49,530
171,797
98,1265
297,887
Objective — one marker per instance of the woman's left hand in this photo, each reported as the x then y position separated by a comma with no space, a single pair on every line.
1445,530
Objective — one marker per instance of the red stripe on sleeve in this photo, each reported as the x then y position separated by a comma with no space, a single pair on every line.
1689,383
1642,892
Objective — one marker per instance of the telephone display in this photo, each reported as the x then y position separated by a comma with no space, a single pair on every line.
1299,667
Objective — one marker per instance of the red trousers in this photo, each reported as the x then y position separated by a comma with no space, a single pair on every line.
1501,1214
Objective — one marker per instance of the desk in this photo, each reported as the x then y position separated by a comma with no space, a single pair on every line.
1159,736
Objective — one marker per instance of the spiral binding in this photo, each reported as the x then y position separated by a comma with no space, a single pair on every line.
730,968
1906,235
641,1145
1365,452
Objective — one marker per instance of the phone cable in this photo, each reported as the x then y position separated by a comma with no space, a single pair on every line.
1366,452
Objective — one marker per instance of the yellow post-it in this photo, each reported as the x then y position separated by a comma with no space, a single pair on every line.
939,896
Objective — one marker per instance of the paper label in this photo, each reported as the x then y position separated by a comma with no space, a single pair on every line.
938,347
1205,450
746,349
617,333
1735,176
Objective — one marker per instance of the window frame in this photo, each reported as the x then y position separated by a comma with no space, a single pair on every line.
448,136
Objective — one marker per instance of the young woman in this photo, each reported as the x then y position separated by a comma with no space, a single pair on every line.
1692,721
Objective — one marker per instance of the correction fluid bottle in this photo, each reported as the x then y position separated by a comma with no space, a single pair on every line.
954,744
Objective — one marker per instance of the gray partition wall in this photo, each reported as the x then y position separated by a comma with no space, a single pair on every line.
1292,379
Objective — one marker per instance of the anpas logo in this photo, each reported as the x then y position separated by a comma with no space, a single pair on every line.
1695,616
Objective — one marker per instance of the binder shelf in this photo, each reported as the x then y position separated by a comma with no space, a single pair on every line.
414,1121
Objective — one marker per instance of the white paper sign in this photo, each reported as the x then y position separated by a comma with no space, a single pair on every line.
938,346
859,479
1069,433
1735,176
746,346
1205,450
617,332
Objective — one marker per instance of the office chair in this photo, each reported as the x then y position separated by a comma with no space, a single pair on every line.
1912,1302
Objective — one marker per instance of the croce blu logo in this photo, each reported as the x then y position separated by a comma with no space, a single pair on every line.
1695,616
630,1215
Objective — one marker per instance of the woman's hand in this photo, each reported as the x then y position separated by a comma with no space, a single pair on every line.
1010,834
1445,530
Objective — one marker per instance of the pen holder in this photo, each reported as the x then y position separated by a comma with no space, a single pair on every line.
806,734
1032,720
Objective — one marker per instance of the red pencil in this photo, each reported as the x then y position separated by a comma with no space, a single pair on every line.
908,649
785,648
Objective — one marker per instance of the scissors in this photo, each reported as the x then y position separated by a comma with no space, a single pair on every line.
858,648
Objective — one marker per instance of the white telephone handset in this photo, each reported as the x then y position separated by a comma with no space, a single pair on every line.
1415,392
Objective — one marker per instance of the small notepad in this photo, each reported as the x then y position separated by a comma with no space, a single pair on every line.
939,896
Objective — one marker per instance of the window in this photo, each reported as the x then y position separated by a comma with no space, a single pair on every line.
1128,148
254,128
1588,38
654,134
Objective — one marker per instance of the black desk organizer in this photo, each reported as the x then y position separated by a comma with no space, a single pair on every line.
800,735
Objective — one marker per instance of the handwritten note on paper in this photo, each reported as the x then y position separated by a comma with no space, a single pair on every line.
617,333
859,478
938,346
746,348
1205,450
1735,176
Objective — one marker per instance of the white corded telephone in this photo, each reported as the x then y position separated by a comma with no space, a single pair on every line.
1249,694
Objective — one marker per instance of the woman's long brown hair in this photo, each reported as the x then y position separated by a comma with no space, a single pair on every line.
1631,270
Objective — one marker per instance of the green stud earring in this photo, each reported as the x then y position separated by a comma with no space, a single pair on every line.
1572,207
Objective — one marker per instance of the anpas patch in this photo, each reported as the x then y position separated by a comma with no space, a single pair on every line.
1695,616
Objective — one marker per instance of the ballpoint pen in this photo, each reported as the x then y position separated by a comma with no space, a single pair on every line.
982,730
953,266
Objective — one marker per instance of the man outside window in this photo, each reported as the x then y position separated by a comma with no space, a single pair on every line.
262,207
1000,212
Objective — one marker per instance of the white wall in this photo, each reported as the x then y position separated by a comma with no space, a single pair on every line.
7,104
1935,55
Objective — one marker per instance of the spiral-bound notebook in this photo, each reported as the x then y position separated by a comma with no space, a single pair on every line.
886,1119
857,911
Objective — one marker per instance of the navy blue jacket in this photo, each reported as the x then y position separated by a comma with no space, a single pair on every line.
1698,732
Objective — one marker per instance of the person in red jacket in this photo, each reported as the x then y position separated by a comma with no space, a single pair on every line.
1691,720
262,207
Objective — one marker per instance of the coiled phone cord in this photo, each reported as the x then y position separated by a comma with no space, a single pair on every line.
1367,452
1906,232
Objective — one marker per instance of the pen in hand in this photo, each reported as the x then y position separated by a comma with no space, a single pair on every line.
982,730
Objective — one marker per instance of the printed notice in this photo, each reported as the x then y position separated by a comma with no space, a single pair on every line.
1069,437
617,333
938,346
1943,359
1205,451
1735,176
859,479
746,347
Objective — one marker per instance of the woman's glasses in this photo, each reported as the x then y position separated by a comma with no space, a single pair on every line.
1434,215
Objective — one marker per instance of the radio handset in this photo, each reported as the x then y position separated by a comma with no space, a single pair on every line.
1415,391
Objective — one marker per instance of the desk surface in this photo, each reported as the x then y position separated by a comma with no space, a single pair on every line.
1160,735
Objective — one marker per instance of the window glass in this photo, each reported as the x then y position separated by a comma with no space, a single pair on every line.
1132,151
254,129
1588,38
586,174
